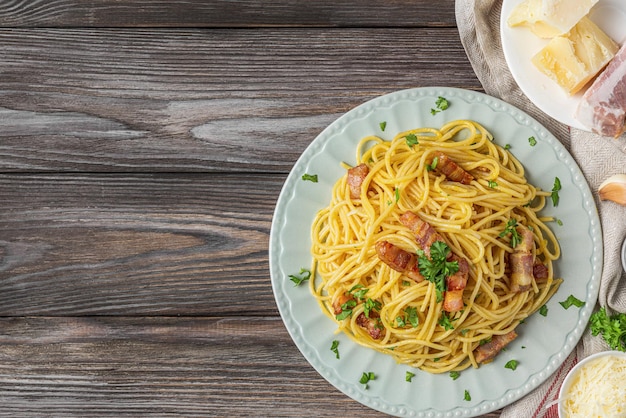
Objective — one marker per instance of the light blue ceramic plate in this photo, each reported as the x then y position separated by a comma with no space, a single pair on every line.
544,342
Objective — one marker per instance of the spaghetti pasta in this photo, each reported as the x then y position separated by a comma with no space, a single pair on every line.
362,293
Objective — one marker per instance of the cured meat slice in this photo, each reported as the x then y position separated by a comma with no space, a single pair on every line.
602,108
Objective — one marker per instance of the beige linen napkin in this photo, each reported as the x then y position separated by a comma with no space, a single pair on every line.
598,157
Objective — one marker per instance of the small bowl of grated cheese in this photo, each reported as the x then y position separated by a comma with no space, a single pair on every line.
595,387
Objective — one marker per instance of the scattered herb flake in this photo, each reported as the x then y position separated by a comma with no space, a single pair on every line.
555,191
442,104
511,364
532,141
433,165
411,140
382,125
572,300
371,305
309,177
493,184
455,375
334,347
543,311
366,378
445,322
346,310
558,221
302,277
409,376
507,147
467,396
397,194
516,238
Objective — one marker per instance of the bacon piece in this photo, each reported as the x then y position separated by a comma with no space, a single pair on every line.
455,284
540,271
425,234
603,106
370,324
399,259
356,175
486,352
452,171
522,262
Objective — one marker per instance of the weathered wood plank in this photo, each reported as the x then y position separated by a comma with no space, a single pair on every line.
224,13
131,245
226,367
200,100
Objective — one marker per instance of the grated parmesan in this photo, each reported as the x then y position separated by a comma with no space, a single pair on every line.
598,389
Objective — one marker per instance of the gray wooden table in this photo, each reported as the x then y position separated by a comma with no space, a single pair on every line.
143,145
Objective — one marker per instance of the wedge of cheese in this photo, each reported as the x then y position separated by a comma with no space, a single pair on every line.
573,59
549,18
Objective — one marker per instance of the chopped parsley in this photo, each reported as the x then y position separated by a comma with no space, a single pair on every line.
411,140
516,238
302,277
555,191
334,347
445,322
511,364
467,396
310,177
572,301
382,125
455,375
346,310
409,376
543,311
358,291
507,147
371,305
410,316
433,165
366,377
532,141
436,268
612,328
397,194
493,184
442,104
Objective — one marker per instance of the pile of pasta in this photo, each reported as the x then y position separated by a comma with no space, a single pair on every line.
470,218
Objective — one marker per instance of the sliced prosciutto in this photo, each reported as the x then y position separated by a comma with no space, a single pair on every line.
602,108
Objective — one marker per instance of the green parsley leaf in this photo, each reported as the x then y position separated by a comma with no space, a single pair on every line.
401,322
358,291
346,310
455,375
493,184
507,147
366,378
304,275
467,396
543,311
310,177
436,268
612,328
397,194
511,364
411,314
406,283
370,305
433,164
445,322
555,191
382,125
442,104
516,238
411,140
572,300
334,347
532,141
558,221
409,376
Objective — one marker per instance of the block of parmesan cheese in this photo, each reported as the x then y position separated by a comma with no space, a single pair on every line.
549,18
573,59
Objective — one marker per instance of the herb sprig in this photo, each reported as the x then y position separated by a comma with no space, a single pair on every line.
436,268
612,328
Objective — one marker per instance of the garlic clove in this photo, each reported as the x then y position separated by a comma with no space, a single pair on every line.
614,189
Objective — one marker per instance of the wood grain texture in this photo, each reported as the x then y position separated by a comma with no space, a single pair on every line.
191,100
134,245
225,13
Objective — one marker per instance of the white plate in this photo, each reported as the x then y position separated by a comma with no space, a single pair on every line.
520,45
544,342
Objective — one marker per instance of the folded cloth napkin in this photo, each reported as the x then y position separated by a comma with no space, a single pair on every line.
598,157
